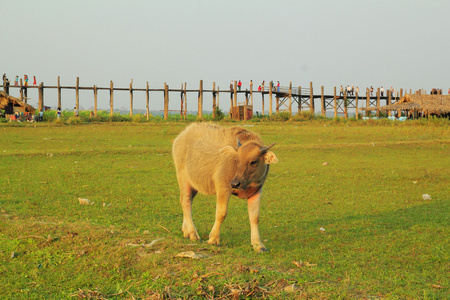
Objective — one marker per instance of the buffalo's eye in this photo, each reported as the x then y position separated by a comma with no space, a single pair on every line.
253,163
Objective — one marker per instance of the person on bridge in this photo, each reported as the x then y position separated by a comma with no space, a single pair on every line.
278,86
342,91
382,91
239,85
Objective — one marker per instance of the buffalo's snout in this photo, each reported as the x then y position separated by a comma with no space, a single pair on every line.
235,184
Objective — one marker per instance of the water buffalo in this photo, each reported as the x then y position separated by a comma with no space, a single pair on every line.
221,161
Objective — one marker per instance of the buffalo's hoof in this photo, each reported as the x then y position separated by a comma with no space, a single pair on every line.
260,249
193,236
212,241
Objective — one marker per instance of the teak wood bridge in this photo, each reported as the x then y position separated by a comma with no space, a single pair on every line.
285,97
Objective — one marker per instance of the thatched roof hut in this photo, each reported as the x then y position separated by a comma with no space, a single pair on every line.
430,104
11,104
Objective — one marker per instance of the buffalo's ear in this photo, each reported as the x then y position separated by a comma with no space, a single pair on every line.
270,158
228,150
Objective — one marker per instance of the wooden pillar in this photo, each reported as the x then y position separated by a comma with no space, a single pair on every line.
21,91
290,98
299,99
311,98
251,92
182,101
245,109
25,93
77,94
270,98
345,104
95,100
322,101
218,97
356,106
262,97
367,101
131,97
277,107
214,99
111,98
41,96
200,100
147,94
59,93
335,103
388,98
166,101
185,100
235,93
378,102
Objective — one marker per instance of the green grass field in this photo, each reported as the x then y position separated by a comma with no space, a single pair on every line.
356,227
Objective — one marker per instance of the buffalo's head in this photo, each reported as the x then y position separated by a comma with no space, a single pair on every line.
252,162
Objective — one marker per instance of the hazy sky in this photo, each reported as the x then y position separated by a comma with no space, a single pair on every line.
398,43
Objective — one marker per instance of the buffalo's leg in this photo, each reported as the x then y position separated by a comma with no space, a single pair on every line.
253,213
187,194
221,213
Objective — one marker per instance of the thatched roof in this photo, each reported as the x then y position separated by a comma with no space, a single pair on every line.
7,100
437,104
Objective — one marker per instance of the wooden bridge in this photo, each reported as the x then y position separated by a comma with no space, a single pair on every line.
285,97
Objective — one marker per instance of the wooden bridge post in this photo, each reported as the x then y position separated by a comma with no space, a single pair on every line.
345,104
185,100
166,101
299,99
95,100
270,97
111,98
218,93
290,98
322,101
41,96
59,93
262,97
25,93
235,93
131,97
214,100
182,102
311,98
200,100
335,103
356,106
367,101
21,91
148,101
378,102
389,101
251,92
77,94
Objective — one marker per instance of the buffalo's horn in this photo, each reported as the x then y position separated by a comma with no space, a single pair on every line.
238,143
266,148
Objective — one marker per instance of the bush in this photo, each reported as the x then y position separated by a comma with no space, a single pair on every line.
219,115
74,121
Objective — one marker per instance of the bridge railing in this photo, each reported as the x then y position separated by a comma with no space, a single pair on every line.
285,89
